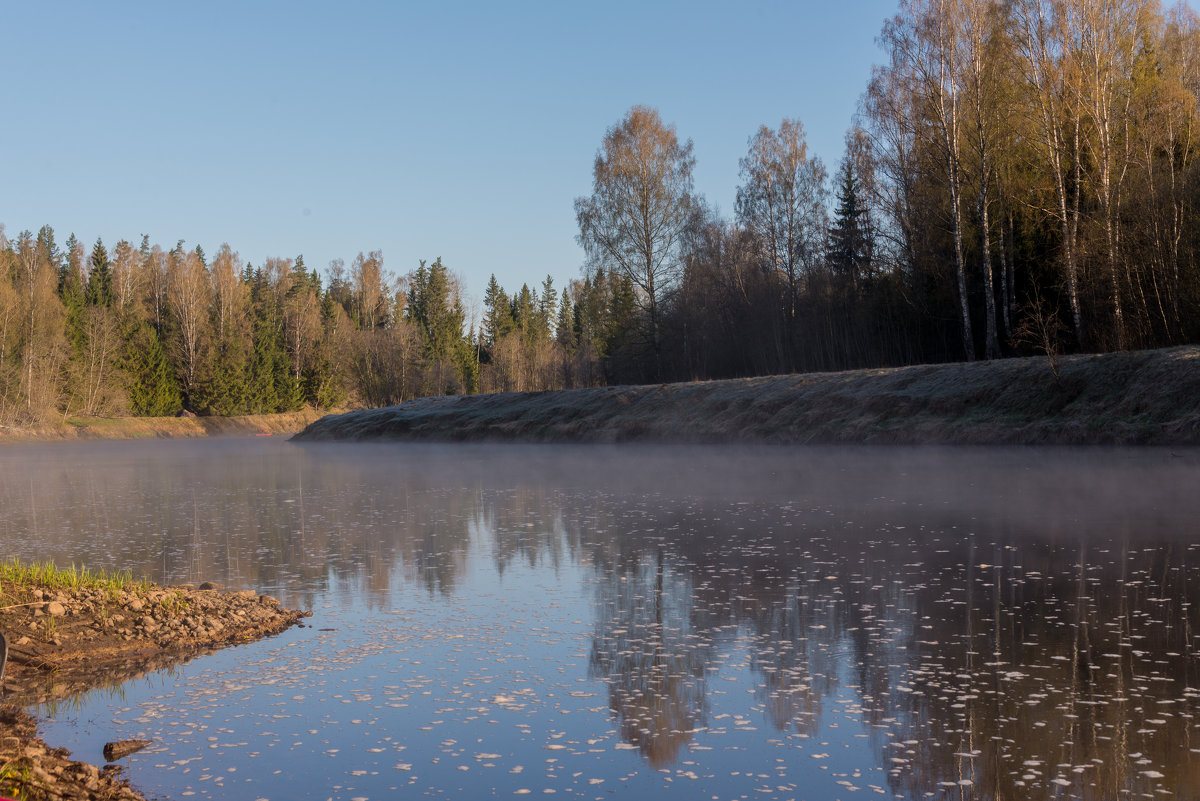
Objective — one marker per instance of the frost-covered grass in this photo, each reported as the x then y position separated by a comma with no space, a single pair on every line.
1143,397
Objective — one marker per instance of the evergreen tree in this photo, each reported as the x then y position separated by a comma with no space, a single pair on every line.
72,290
153,390
563,332
224,393
99,285
495,306
850,246
524,313
436,310
546,304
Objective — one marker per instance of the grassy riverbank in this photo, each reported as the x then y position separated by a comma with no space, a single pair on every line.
70,631
1142,398
161,427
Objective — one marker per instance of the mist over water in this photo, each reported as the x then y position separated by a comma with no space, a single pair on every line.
689,622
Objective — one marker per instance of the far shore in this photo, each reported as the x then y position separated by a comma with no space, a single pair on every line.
1131,398
81,427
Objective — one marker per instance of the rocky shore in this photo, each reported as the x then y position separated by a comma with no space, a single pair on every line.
66,641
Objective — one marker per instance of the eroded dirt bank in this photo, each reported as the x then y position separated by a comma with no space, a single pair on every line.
1142,398
65,641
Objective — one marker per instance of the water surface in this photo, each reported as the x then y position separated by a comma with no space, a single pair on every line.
715,623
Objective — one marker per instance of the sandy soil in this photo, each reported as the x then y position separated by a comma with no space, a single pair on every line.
62,642
1142,398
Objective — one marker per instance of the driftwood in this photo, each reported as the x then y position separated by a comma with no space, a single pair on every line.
123,748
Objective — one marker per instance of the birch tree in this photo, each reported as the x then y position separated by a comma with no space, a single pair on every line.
188,295
924,43
782,203
641,204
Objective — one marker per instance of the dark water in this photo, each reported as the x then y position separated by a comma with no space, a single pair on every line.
693,623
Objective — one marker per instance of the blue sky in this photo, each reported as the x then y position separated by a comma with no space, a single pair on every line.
460,130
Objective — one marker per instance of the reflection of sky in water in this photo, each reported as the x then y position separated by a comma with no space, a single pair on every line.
690,623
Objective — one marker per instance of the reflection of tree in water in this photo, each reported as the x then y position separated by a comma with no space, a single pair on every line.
523,529
1017,659
995,665
1051,669
652,660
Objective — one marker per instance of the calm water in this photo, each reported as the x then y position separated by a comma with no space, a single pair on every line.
691,623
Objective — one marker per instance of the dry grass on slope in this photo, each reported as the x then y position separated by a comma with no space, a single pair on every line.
1144,397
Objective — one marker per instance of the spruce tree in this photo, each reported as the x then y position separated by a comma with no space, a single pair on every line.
850,246
99,285
564,333
153,390
494,305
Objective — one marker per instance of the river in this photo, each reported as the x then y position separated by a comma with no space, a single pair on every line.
676,622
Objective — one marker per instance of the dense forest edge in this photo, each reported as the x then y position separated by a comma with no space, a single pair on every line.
1130,398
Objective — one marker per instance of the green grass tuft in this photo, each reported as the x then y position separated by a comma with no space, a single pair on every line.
47,575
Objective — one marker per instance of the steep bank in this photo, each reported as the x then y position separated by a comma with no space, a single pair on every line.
162,427
1142,397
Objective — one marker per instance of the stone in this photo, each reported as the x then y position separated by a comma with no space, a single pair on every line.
269,600
136,605
55,609
212,585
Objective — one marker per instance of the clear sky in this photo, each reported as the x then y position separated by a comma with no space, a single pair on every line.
460,130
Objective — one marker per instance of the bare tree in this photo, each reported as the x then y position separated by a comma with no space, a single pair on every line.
980,28
782,203
925,47
367,282
127,277
228,288
1044,36
640,208
187,293
1110,34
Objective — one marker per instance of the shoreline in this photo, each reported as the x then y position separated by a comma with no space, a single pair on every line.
121,428
64,641
1129,398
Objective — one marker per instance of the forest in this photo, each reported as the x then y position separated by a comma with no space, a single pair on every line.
1021,178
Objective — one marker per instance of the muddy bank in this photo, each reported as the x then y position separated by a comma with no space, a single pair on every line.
66,641
1143,398
161,427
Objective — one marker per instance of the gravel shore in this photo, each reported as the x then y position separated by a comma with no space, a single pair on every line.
66,641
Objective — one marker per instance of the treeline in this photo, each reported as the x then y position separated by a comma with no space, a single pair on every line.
1021,178
142,331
